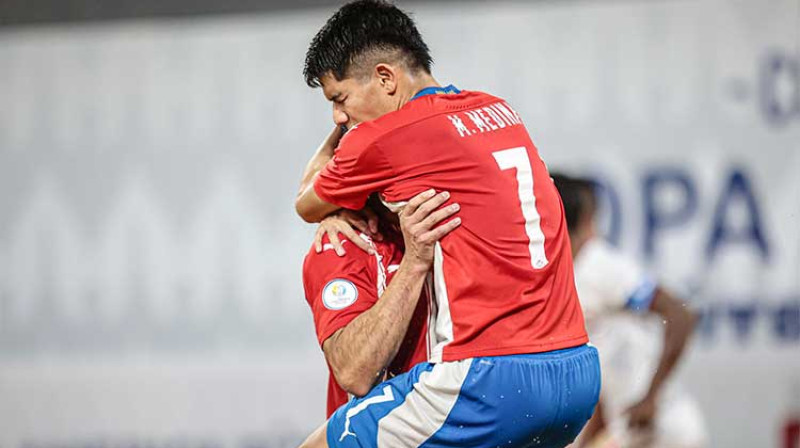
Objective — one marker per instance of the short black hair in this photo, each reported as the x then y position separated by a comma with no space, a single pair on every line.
361,27
578,197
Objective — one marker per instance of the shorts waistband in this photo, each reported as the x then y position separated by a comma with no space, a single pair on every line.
554,354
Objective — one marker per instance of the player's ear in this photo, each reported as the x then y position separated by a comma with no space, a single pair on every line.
387,76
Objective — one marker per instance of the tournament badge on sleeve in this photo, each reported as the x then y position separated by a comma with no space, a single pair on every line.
339,294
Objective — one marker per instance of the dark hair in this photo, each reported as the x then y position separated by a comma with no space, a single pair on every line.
578,197
361,27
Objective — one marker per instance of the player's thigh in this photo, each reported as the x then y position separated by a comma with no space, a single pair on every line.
513,401
383,418
428,406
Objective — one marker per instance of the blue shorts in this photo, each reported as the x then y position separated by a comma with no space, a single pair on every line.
541,400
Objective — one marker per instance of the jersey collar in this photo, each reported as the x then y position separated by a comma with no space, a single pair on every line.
435,90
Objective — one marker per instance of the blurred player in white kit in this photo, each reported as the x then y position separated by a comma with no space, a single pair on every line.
640,331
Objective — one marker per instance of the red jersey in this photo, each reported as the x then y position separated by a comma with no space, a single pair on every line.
503,280
338,289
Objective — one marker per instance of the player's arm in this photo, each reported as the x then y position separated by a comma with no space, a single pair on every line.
360,351
679,323
344,172
308,204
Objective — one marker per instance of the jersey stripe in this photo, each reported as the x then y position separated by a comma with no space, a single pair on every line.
443,323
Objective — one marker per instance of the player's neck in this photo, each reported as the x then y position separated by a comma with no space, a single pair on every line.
416,84
424,80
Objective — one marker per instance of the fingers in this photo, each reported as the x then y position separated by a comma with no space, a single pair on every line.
416,201
425,213
318,239
372,223
347,223
333,237
438,216
430,205
359,224
439,232
336,241
356,239
351,218
366,221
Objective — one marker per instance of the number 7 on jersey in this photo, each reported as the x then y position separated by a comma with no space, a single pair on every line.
517,158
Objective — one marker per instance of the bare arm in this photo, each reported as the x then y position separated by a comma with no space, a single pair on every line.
679,325
360,351
308,205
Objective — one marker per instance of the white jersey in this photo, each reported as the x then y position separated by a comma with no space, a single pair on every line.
615,293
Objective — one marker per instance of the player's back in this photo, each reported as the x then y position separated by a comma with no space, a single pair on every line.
503,280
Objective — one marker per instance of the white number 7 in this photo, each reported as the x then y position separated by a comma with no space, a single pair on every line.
518,158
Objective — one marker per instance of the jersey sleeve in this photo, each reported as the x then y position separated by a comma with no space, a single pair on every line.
613,281
358,168
338,289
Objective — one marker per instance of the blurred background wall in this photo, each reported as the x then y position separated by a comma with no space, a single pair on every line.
150,257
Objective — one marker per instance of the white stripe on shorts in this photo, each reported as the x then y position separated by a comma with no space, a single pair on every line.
425,408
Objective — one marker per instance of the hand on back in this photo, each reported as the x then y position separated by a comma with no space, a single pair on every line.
423,223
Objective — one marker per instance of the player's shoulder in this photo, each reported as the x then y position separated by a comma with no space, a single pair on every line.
328,257
468,99
433,105
362,135
477,95
367,135
368,132
413,112
418,110
487,111
328,252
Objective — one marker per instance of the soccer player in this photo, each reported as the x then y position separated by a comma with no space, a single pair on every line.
625,309
508,360
343,291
